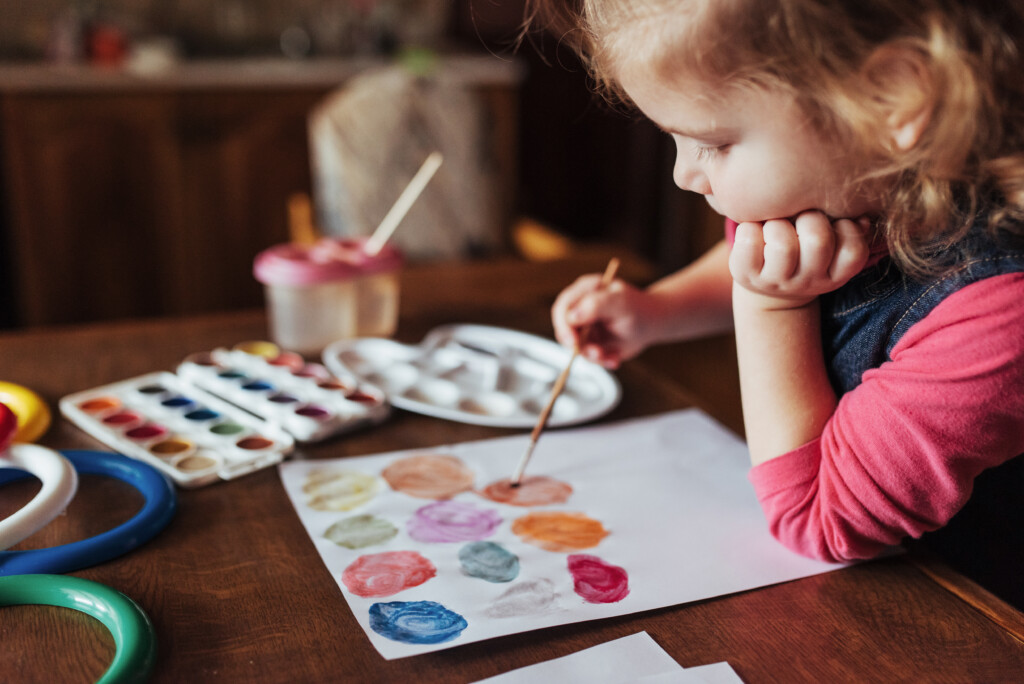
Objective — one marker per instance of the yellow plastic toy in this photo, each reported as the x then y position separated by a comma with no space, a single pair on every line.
32,412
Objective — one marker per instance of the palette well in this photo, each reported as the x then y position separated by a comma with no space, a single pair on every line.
186,433
305,399
478,374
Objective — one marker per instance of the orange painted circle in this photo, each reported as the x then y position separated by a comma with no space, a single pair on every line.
429,476
532,491
559,530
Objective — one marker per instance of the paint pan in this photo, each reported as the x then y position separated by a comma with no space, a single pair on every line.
190,435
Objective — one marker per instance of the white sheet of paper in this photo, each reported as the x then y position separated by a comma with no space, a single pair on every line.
715,673
632,658
672,491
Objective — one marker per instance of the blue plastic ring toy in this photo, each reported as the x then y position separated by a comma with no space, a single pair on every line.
156,513
134,636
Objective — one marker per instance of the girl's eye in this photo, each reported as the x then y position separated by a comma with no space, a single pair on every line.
704,152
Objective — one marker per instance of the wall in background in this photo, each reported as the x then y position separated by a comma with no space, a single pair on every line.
31,28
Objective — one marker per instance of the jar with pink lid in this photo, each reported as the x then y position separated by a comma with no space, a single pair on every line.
330,290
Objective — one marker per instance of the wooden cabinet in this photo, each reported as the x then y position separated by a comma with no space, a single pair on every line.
152,203
128,196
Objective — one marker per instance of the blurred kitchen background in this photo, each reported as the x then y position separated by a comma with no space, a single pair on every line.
150,148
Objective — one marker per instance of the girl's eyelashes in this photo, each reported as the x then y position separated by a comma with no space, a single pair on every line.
705,152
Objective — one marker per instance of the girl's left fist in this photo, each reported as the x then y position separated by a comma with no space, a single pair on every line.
792,262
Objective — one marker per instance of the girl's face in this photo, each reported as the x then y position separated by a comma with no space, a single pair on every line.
751,152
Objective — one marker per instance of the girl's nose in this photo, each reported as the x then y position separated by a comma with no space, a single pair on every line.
688,175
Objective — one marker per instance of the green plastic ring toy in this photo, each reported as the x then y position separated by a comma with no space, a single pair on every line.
133,633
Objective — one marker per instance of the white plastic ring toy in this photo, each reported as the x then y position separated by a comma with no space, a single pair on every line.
60,482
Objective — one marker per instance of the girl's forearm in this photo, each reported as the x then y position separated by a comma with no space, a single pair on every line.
695,301
786,394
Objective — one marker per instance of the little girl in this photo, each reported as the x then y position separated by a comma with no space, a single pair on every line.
869,158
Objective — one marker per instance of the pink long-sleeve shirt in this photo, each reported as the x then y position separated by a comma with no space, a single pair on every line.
899,455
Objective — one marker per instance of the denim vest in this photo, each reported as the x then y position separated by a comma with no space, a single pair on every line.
862,322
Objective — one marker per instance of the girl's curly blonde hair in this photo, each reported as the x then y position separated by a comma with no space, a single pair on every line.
970,157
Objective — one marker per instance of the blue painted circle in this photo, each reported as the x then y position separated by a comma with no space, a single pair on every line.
156,513
416,622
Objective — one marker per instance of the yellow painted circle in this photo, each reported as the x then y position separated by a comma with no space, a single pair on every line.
32,412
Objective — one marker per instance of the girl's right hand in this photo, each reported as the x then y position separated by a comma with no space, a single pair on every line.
610,323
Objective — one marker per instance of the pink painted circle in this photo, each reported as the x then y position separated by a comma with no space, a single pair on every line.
387,573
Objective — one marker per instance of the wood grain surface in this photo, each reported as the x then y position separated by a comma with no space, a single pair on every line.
237,592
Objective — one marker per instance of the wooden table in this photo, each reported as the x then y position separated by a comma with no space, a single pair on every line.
237,592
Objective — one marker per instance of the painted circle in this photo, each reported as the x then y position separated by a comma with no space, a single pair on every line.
429,476
452,521
597,581
559,530
360,531
339,490
416,622
385,574
536,490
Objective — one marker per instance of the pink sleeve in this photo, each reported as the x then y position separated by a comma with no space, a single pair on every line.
730,231
900,454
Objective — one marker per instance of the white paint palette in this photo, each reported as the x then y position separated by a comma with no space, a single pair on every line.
478,374
305,399
186,433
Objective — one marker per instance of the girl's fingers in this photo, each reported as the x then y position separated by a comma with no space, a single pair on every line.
565,310
851,250
817,244
781,251
747,256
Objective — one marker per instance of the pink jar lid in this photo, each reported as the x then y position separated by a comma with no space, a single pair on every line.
328,260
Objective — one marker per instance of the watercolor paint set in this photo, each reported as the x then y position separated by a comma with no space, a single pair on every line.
190,435
305,399
478,374
224,413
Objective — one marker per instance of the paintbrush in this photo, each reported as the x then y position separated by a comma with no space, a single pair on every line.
403,203
606,279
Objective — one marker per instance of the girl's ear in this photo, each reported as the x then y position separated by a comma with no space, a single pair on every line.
901,82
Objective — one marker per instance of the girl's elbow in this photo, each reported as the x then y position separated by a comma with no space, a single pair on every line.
827,539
